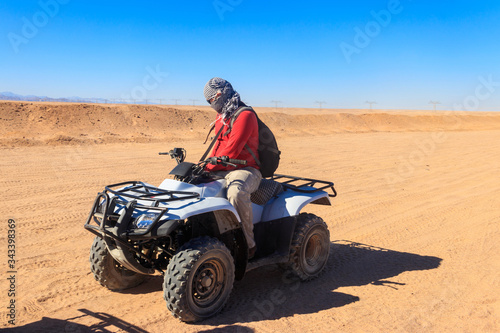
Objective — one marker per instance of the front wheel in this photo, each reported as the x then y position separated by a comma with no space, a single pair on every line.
199,279
310,247
108,272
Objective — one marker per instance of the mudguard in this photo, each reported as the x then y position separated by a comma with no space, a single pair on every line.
290,203
181,210
212,199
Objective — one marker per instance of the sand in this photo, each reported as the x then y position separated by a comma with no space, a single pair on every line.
414,229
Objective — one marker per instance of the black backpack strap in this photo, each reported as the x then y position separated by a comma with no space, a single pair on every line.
233,119
253,155
212,143
235,115
211,129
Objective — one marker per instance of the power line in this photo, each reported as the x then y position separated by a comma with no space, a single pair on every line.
434,103
175,100
371,103
194,100
320,104
276,104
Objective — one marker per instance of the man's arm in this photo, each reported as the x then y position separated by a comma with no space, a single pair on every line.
243,128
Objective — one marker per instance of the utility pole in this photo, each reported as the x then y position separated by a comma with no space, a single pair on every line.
193,100
175,99
371,103
434,102
320,104
276,104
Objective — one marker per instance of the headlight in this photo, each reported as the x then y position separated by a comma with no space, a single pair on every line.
145,220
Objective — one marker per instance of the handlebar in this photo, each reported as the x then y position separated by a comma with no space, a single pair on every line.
242,162
224,160
178,153
195,172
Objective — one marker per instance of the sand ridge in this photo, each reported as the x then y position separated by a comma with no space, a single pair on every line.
38,123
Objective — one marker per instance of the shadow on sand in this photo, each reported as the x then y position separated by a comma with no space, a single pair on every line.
270,293
107,323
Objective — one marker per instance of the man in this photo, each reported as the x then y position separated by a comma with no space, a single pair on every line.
242,180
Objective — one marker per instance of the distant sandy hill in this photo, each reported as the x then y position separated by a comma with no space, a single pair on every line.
36,123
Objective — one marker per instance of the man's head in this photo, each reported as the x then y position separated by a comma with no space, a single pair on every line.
221,96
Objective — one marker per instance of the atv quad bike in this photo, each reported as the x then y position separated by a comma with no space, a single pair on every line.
187,231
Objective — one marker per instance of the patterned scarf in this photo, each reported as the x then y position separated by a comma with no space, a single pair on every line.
227,103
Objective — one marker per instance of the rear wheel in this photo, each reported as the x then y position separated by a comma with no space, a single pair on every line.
199,279
108,272
310,247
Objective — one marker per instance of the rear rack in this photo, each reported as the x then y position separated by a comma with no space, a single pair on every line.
304,185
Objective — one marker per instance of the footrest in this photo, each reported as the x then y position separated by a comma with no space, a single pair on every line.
272,259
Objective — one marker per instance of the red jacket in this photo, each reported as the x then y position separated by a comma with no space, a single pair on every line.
245,131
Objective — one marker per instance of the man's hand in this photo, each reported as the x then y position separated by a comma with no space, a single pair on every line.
225,160
213,160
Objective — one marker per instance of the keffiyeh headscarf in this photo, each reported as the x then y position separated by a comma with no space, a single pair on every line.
228,101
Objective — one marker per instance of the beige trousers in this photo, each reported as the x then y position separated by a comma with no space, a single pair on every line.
240,184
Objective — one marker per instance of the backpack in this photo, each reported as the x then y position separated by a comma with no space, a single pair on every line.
269,154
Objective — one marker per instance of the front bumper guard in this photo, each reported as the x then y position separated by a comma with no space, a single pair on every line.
113,227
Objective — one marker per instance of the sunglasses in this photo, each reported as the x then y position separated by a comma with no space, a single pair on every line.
211,100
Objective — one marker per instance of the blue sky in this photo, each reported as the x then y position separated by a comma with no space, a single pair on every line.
401,54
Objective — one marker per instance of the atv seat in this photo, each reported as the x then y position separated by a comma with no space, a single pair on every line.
267,189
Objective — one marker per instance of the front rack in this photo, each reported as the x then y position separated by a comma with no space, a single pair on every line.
129,193
143,191
304,185
140,191
104,215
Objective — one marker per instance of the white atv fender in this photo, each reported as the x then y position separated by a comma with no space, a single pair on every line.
290,203
212,199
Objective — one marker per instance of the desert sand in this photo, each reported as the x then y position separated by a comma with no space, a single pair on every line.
414,230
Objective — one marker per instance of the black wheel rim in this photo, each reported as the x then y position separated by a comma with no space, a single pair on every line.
315,252
208,283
